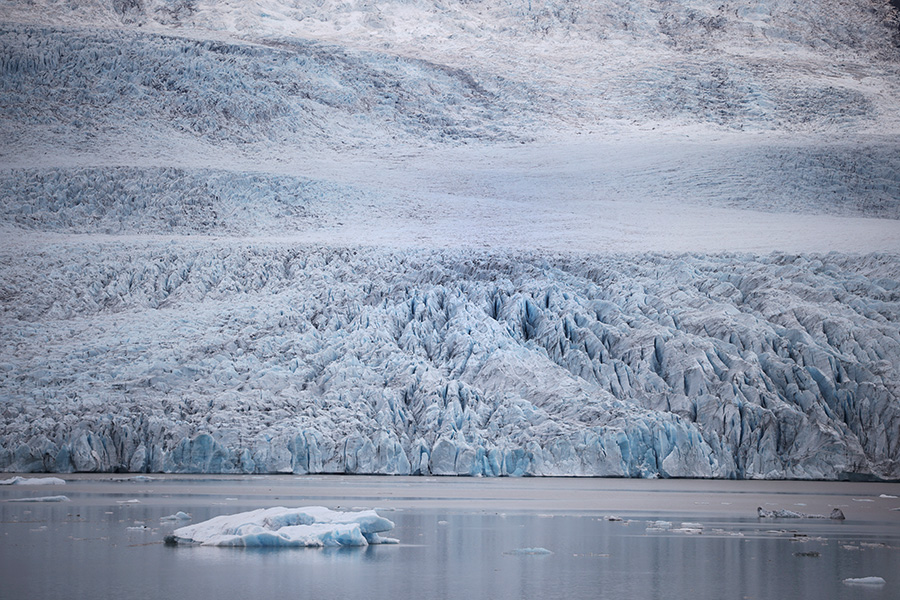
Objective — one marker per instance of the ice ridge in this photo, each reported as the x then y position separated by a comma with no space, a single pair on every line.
267,358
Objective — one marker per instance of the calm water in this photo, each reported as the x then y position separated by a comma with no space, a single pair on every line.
85,549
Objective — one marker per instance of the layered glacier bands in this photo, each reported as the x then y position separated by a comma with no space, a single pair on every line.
266,357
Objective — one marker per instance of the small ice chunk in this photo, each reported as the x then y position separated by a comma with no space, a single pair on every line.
659,526
783,513
41,499
311,526
529,551
17,480
132,501
886,496
837,515
863,500
864,581
179,516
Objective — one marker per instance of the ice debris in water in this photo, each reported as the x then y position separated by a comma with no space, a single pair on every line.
33,481
41,499
179,516
836,514
311,526
529,552
864,581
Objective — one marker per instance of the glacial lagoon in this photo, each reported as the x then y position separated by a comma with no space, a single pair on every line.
463,538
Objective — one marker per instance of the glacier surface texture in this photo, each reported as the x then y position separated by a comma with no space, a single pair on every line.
486,238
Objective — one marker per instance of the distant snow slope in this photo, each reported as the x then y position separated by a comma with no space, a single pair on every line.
500,237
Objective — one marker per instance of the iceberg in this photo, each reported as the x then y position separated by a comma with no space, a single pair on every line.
836,514
312,526
179,516
18,480
864,581
41,499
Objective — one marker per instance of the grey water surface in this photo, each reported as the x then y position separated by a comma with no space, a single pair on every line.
103,544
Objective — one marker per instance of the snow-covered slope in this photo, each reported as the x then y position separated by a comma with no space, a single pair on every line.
499,237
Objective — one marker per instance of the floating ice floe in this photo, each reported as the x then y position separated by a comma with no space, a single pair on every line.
836,514
33,481
864,581
886,496
311,526
41,499
179,516
529,552
689,528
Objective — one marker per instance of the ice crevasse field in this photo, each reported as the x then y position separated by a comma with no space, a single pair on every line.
424,238
491,238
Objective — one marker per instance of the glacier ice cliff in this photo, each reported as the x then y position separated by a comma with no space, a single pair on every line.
269,358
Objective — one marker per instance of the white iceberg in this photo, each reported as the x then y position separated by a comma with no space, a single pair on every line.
179,516
864,581
18,480
311,526
41,499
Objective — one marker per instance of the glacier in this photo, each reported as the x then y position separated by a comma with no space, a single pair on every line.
277,358
495,238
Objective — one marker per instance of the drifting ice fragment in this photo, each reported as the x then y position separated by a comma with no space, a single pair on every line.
836,514
41,499
311,526
529,551
179,516
33,481
865,581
